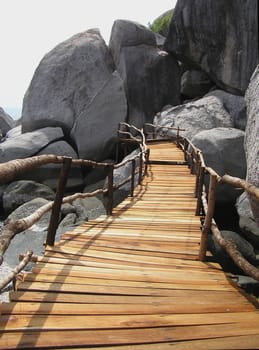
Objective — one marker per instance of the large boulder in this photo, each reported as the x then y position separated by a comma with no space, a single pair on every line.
195,83
235,105
246,220
66,81
252,139
28,144
22,191
151,77
6,122
95,130
14,132
32,239
49,174
243,246
220,37
204,114
223,150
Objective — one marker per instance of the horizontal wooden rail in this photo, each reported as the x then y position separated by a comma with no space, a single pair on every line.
193,156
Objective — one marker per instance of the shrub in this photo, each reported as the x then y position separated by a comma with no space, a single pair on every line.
161,24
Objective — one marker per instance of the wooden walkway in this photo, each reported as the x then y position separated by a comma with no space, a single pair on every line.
132,281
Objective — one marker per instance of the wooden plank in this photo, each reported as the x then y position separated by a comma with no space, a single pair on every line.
32,339
193,295
223,343
50,322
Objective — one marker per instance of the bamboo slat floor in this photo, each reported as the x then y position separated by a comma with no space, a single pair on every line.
133,281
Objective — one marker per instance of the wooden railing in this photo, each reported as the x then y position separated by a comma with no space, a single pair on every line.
127,135
206,198
10,170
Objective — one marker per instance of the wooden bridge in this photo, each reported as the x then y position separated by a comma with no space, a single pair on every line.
133,280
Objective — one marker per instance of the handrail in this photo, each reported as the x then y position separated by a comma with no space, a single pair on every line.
9,171
198,166
193,155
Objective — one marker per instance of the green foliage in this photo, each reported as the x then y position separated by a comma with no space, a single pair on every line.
161,24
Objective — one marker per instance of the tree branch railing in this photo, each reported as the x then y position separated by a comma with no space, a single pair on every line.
10,170
194,157
206,201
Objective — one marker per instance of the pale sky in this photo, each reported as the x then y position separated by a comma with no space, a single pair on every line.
31,28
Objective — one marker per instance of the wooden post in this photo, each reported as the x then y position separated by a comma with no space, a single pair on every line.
110,190
133,169
147,160
185,150
208,218
54,218
198,173
199,189
140,169
177,137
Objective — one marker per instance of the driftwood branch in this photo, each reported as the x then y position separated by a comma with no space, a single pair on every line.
10,170
11,228
237,182
16,270
231,248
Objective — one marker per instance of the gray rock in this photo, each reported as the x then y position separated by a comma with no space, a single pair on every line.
68,221
95,130
121,174
195,83
6,122
224,259
223,151
66,81
246,220
220,37
49,174
14,132
234,105
203,114
252,139
151,76
88,208
28,144
20,192
27,209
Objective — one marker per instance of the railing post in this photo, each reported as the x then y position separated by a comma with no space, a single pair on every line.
110,190
185,149
140,168
178,137
147,160
197,173
54,218
132,183
199,189
208,218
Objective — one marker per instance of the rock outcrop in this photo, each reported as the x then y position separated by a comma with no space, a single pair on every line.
220,37
6,122
75,87
49,174
66,81
235,105
223,151
252,138
203,114
195,83
151,77
28,144
20,192
95,130
247,222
